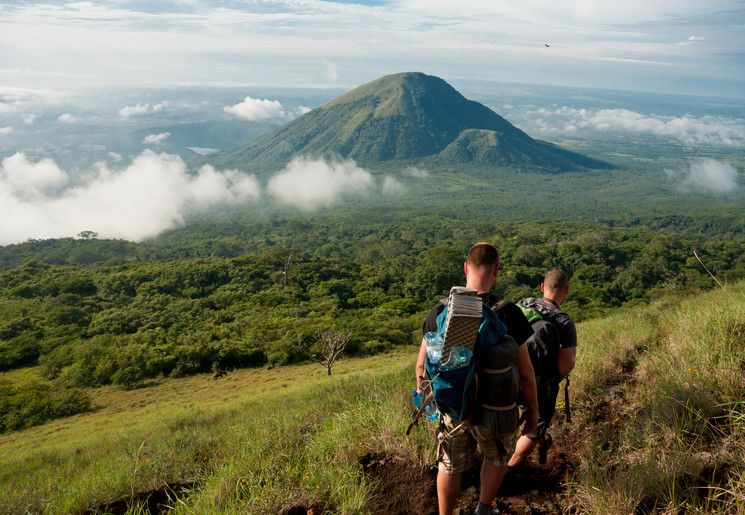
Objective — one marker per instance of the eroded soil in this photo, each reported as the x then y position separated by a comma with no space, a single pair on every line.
157,501
404,488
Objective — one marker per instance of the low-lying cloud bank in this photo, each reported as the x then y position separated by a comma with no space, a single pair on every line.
309,183
38,200
706,130
152,194
705,176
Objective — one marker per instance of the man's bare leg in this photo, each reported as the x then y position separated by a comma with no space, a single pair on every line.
491,479
448,487
522,450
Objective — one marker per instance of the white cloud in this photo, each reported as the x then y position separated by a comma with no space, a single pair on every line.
705,176
691,41
24,99
66,118
22,179
127,111
155,139
392,186
308,183
155,192
332,72
257,109
416,172
25,180
6,130
115,157
29,119
139,109
706,130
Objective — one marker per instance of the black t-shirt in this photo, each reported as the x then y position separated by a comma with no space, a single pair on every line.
517,325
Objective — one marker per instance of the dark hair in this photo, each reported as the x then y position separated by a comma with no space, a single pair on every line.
556,280
483,256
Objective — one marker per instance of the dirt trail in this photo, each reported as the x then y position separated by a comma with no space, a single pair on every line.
537,489
403,488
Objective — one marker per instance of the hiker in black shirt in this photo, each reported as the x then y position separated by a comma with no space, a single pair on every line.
457,445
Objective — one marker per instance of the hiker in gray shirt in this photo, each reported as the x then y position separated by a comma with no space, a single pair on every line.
555,288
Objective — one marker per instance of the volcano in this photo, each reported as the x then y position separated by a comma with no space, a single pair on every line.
409,118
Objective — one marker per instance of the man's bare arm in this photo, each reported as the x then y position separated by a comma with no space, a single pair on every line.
420,371
566,360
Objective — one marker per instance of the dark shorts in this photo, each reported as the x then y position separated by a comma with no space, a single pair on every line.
547,393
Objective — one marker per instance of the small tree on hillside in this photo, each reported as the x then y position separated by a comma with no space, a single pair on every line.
87,235
325,346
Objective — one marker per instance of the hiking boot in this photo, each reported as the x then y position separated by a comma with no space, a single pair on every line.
515,474
543,448
494,511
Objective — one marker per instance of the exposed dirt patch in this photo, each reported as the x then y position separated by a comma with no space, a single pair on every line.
405,488
160,500
402,487
541,489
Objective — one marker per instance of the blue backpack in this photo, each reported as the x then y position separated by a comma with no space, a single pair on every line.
452,388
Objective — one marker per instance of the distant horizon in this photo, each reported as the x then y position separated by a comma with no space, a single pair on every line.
86,91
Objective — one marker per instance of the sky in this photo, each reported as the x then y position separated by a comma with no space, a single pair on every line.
671,46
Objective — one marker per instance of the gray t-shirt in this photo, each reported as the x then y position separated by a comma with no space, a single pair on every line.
565,324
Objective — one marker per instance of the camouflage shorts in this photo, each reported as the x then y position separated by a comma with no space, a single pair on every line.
456,446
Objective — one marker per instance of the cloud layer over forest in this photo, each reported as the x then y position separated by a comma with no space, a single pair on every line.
39,200
705,130
705,176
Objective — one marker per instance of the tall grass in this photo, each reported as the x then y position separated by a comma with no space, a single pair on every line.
664,388
291,436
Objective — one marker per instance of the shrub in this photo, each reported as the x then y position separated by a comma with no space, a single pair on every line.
33,404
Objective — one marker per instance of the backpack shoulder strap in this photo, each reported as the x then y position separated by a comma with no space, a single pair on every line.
490,316
531,304
498,305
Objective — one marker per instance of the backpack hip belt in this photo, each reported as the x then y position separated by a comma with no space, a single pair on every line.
495,371
499,408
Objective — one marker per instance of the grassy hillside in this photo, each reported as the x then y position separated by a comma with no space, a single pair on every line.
658,409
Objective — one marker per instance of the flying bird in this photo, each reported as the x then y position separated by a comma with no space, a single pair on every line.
547,45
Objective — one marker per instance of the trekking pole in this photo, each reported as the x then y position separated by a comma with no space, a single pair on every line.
567,411
418,415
